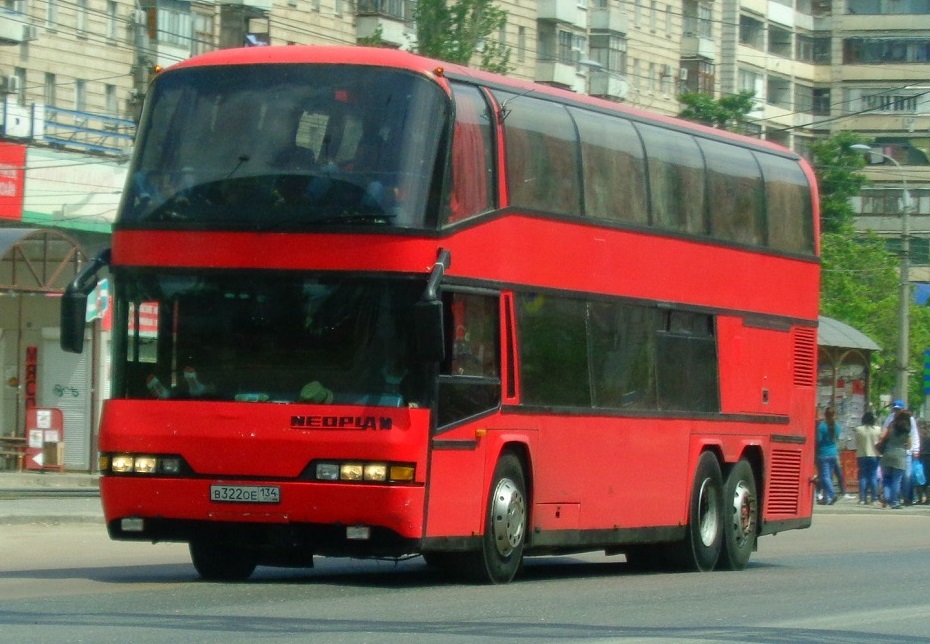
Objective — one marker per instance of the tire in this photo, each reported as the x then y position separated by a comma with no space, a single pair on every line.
505,525
741,517
218,561
700,549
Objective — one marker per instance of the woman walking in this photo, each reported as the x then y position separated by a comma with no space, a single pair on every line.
896,441
828,457
867,435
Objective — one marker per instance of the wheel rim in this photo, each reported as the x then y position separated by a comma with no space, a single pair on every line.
508,517
744,512
707,514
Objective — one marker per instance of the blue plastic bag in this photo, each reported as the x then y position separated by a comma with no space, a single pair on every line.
917,472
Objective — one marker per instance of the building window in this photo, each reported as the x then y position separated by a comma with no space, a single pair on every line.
51,15
112,107
821,101
174,23
886,50
803,99
49,93
112,32
750,81
698,76
203,33
698,19
609,51
778,92
779,41
80,95
751,32
521,44
888,7
82,17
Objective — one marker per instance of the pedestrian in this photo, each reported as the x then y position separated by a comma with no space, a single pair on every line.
828,457
867,435
893,445
922,492
907,488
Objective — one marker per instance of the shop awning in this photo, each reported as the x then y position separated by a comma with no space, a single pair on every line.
38,260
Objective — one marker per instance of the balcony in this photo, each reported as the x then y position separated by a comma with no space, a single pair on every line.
567,11
611,20
609,85
694,46
392,18
262,5
556,73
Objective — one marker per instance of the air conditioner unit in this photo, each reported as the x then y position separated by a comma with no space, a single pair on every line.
30,32
683,73
138,17
11,84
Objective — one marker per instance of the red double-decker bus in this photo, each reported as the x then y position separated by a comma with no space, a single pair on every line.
371,304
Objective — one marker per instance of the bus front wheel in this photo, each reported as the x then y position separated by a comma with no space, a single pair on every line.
505,525
218,561
700,548
741,518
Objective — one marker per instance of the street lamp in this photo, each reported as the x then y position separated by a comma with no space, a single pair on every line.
904,297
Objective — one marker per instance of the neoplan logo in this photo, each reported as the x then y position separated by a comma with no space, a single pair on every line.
342,422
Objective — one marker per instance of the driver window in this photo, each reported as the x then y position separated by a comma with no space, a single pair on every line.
469,383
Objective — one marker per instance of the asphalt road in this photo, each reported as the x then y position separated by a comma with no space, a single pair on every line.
858,575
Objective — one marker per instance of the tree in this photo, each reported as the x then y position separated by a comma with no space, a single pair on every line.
458,31
727,112
837,168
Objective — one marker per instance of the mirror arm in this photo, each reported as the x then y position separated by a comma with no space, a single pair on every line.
443,262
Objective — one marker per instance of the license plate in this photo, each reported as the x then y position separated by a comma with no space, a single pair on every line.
245,493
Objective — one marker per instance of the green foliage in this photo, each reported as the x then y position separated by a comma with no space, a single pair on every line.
859,286
376,39
728,112
458,31
837,168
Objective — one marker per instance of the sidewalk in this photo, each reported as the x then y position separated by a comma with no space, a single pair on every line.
49,497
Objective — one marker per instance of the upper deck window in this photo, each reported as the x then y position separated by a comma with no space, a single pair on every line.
542,155
286,146
472,168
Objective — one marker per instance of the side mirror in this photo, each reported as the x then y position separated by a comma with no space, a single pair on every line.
74,303
429,330
73,314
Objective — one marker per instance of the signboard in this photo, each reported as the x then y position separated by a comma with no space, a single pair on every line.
12,173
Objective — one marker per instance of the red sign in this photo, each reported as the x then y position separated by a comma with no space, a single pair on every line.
32,375
12,173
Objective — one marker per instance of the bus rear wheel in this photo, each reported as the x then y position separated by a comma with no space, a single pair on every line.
700,549
741,518
501,553
218,561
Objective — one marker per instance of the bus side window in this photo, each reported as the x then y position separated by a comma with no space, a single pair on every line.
734,188
676,180
614,167
472,170
788,205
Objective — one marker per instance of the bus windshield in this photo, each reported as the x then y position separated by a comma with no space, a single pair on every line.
287,146
267,337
